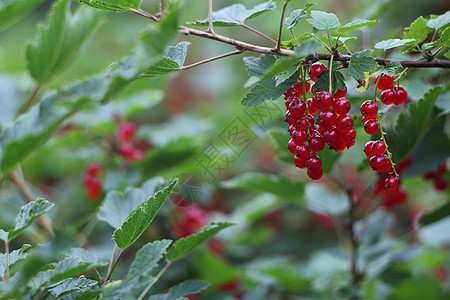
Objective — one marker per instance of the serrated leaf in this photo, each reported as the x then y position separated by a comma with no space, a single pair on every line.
296,15
12,11
181,290
147,258
70,285
35,127
59,41
236,14
88,295
139,220
323,81
444,39
14,258
266,183
323,21
390,68
293,43
436,215
392,43
127,289
280,78
343,39
265,90
355,25
118,205
361,62
418,31
113,5
27,214
411,125
172,62
186,245
258,66
439,21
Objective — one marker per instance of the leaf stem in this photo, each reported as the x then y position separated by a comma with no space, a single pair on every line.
157,277
330,67
259,33
294,37
29,100
144,14
239,51
210,20
325,45
281,27
113,262
7,260
161,8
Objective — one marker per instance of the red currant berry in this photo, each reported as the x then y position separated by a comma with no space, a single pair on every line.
349,138
299,86
391,182
331,135
302,124
313,162
369,109
303,151
340,93
291,129
126,132
378,147
399,195
130,153
388,96
379,162
93,169
315,69
326,118
370,126
311,107
300,162
344,123
288,101
290,118
341,106
299,137
315,174
316,144
291,93
337,146
292,146
322,100
440,183
385,82
297,108
92,186
368,149
401,95
314,133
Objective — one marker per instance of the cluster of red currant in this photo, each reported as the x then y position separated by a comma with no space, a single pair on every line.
438,177
333,127
92,182
125,136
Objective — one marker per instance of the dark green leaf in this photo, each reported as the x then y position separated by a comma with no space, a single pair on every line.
436,215
127,289
392,43
418,31
417,288
113,5
323,81
329,158
183,289
282,77
70,285
12,11
390,68
59,41
265,90
118,205
444,39
139,220
323,21
293,43
236,14
361,62
265,183
439,21
147,258
172,62
296,15
88,295
186,245
14,258
355,24
258,66
214,268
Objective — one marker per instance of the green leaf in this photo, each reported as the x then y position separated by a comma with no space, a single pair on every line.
265,183
293,43
70,285
355,24
181,290
35,127
329,158
59,41
113,5
3,235
418,31
323,200
12,11
282,77
119,205
411,125
147,258
323,81
214,268
392,43
444,39
172,62
255,209
390,68
126,289
359,63
417,288
11,98
27,214
139,220
265,90
186,245
14,259
436,215
439,21
296,15
236,14
258,66
88,295
323,21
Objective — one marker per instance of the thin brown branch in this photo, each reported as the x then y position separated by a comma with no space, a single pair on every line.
30,99
259,33
280,29
144,14
239,51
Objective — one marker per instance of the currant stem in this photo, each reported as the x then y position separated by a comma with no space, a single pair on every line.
157,277
320,41
144,14
259,33
212,59
330,66
294,37
30,99
210,21
7,260
281,27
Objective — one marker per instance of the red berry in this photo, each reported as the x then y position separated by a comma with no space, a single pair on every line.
370,126
344,123
379,162
297,108
93,187
94,169
369,109
299,137
302,124
311,107
288,101
349,138
385,82
340,93
368,149
398,196
127,131
388,96
401,166
440,183
326,118
378,147
130,153
331,135
291,93
322,100
391,182
315,174
337,146
299,86
364,119
313,162
315,69
303,151
341,106
316,144
300,162
401,95
292,146
290,118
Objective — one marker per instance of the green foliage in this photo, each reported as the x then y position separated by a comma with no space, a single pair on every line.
355,25
418,31
59,41
323,21
265,90
185,288
439,21
172,62
359,63
296,15
140,218
14,259
323,81
436,215
184,246
71,285
390,68
113,5
148,257
392,43
12,11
